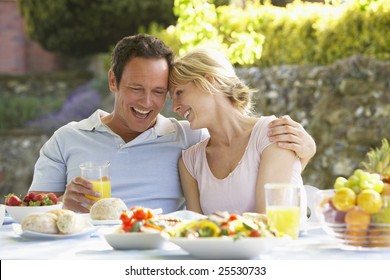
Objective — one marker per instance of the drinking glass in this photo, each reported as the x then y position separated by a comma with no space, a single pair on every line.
97,172
283,207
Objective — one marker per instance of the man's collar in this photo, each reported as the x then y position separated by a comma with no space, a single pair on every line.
162,127
94,122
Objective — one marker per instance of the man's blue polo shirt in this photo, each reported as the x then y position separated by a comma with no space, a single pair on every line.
143,171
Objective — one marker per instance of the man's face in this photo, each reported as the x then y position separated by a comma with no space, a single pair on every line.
141,95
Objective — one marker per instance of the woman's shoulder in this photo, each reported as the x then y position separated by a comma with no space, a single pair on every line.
262,123
197,146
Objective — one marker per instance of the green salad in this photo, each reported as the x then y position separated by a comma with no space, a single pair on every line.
222,224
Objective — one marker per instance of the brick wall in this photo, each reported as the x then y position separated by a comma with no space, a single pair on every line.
19,55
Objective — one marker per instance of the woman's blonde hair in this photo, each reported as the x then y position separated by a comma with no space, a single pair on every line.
211,71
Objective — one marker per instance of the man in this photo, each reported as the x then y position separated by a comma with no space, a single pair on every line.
142,146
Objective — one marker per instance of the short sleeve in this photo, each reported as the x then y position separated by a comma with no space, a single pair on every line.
50,169
193,158
261,133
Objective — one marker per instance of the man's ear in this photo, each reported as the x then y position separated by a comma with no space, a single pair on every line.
112,81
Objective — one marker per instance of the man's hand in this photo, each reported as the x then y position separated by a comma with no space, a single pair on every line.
74,197
291,135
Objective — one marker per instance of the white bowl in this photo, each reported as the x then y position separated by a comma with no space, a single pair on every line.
133,240
222,248
17,213
2,214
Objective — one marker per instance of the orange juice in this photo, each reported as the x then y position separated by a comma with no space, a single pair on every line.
285,219
103,187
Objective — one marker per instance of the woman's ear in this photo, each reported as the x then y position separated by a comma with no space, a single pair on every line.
210,78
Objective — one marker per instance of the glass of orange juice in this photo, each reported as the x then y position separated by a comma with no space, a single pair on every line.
97,172
283,209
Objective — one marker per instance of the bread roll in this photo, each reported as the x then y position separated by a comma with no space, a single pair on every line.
40,222
107,209
66,220
69,222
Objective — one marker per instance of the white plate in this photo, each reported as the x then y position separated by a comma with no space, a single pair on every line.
45,236
133,240
106,222
186,215
228,248
8,220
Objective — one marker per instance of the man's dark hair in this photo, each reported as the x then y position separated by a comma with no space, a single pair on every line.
140,45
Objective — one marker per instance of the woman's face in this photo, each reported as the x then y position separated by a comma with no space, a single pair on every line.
192,104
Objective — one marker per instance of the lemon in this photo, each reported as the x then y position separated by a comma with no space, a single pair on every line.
344,199
370,201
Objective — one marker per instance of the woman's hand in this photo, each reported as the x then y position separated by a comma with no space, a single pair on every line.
74,197
291,135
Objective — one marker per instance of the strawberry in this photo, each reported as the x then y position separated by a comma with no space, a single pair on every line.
52,197
12,200
32,195
39,197
26,199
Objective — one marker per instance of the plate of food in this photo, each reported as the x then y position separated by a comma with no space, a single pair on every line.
140,229
227,236
134,240
227,247
52,236
107,211
55,224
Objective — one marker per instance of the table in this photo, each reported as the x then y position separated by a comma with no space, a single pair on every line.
314,245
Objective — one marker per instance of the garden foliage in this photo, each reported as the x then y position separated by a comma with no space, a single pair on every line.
301,33
84,27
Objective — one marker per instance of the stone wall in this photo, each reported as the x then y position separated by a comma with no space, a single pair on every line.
344,106
19,149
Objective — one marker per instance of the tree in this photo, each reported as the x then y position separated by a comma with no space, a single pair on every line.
77,28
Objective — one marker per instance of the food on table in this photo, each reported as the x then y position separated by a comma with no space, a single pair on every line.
364,201
68,222
61,221
140,219
31,199
344,199
370,201
357,223
331,214
222,224
40,222
107,209
362,188
378,161
168,220
379,236
357,216
383,216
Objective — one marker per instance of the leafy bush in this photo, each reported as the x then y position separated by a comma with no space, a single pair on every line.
300,33
84,27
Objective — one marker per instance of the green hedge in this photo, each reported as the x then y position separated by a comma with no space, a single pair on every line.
301,33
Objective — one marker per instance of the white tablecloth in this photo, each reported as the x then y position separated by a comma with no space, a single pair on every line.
314,245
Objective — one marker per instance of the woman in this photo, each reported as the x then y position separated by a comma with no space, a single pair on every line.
227,171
